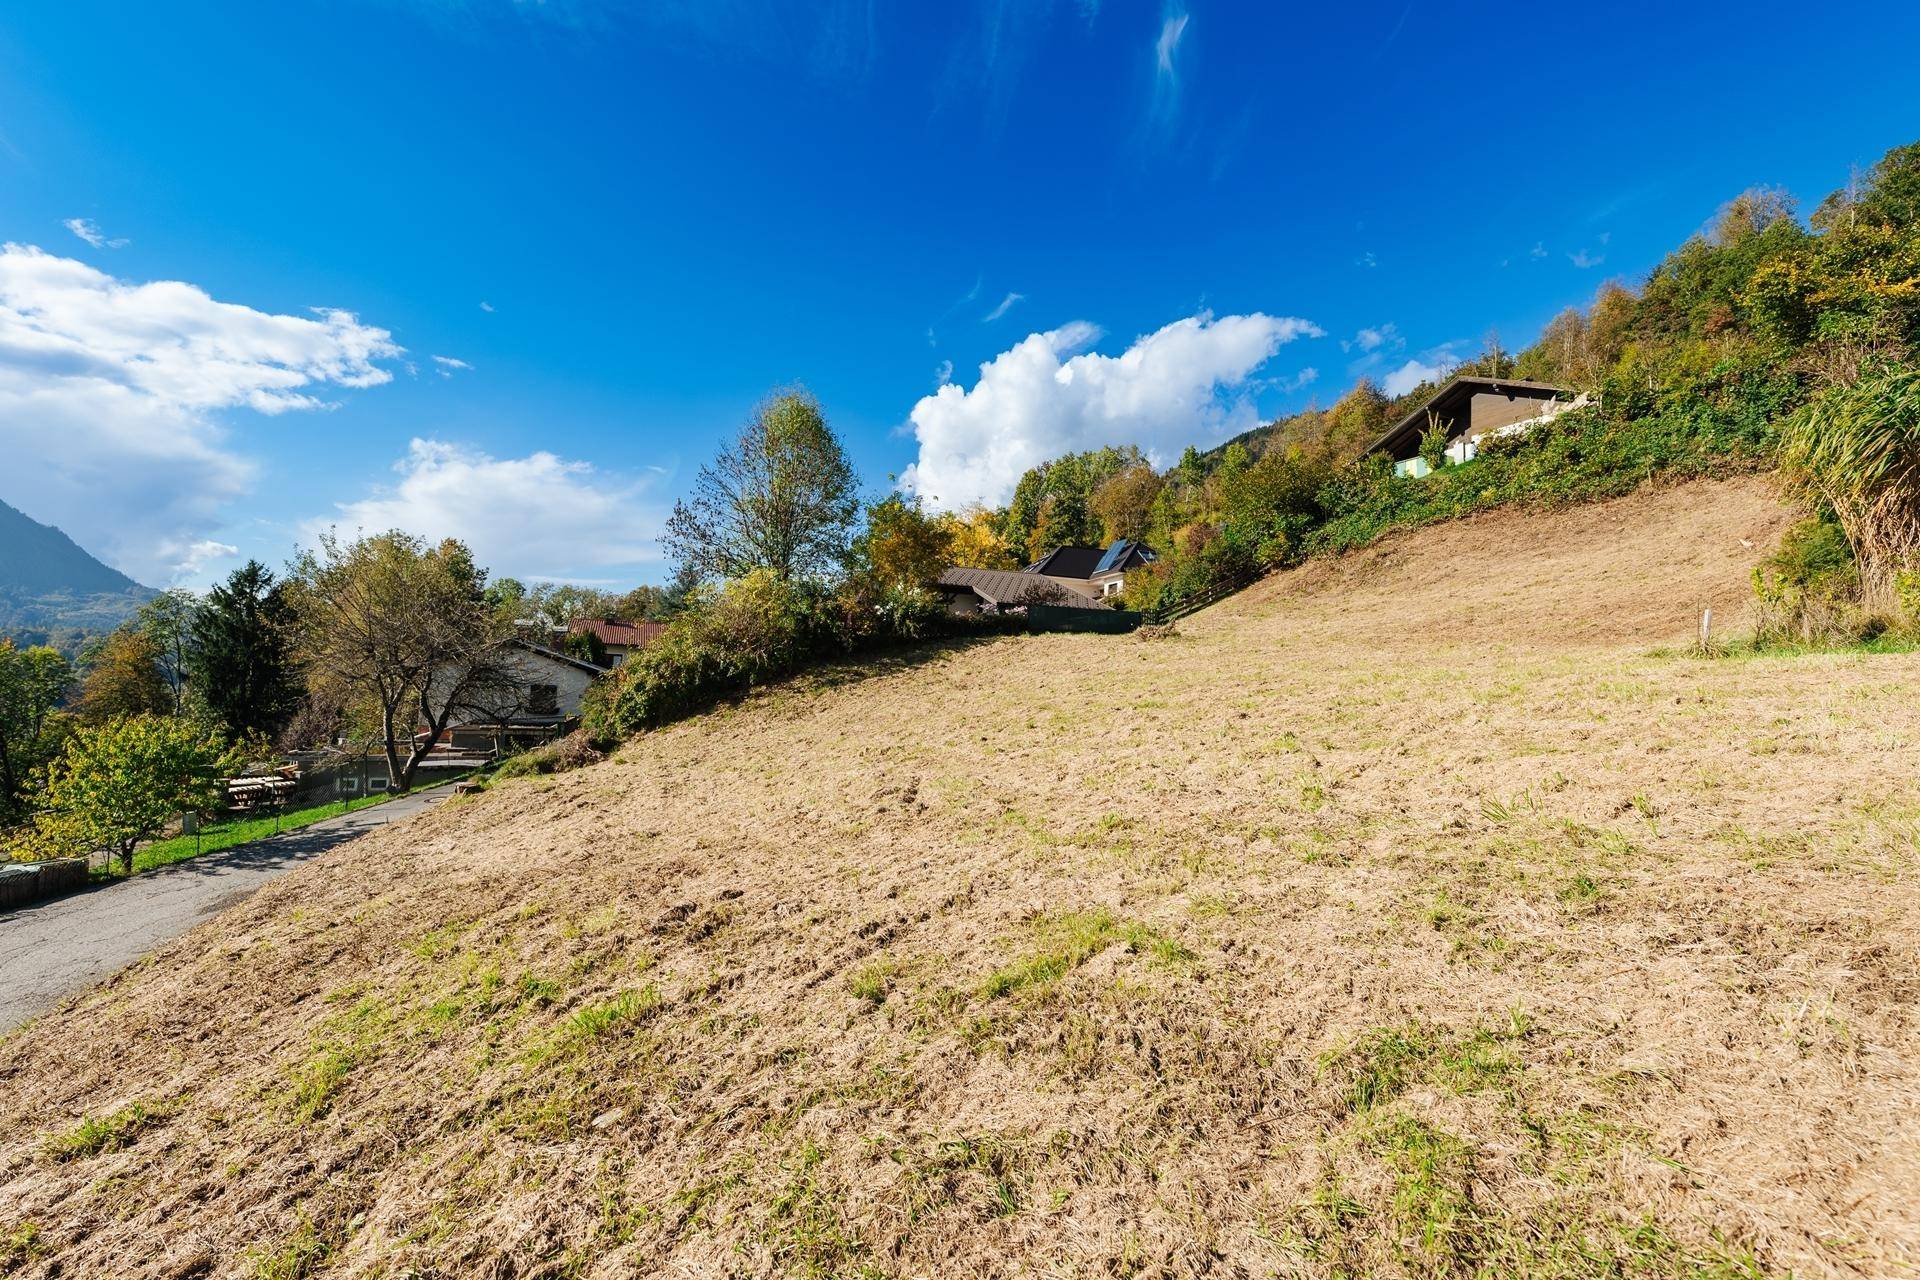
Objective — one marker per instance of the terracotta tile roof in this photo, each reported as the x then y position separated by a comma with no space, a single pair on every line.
630,635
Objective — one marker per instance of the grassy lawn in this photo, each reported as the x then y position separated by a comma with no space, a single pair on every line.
225,835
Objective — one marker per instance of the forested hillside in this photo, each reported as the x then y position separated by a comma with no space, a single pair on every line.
51,590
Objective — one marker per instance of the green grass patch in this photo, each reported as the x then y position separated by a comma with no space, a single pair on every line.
1385,1062
98,1134
806,1230
20,1245
304,1252
594,1021
1069,941
225,835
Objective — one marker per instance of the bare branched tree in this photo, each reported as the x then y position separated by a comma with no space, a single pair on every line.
782,497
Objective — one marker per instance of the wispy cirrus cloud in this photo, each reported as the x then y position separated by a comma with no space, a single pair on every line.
1373,338
448,365
1164,105
1005,305
113,395
89,230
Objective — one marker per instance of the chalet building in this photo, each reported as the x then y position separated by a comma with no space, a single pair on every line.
1471,410
1095,570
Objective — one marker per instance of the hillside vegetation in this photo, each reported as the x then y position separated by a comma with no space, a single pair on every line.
1763,318
1424,912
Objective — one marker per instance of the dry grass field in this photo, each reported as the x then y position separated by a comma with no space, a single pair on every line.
1432,912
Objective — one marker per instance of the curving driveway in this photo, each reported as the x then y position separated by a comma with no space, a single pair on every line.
51,949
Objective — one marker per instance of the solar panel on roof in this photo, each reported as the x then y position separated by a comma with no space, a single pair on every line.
1115,554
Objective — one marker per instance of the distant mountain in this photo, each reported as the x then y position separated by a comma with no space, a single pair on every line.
52,591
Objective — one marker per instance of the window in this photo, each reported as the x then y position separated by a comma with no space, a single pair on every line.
349,784
376,784
543,699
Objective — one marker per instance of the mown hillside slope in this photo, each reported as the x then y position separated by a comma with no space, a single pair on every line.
1417,913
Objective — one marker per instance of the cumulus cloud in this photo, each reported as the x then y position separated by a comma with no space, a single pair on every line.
202,555
541,516
1188,383
89,230
1007,304
1414,372
111,391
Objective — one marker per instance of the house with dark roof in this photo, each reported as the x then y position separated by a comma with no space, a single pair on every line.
1006,590
1096,570
1470,410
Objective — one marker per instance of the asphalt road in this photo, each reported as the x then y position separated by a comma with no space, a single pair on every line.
53,948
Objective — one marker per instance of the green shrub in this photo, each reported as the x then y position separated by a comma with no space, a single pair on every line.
1855,451
758,629
1808,591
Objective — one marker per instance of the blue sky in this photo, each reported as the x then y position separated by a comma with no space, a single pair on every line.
624,224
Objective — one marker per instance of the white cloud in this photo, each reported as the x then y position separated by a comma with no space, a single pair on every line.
110,393
1374,338
449,364
1584,260
1166,71
1187,383
541,516
199,555
1172,27
1367,259
1539,250
89,230
1007,304
1414,372
943,373
487,307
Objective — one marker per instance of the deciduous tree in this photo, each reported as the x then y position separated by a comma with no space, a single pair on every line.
124,678
120,783
167,620
32,683
902,546
401,634
782,497
1124,503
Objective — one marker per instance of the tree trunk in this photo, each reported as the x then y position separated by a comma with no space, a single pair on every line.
392,749
126,858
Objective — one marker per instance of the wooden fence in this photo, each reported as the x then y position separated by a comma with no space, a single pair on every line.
1195,603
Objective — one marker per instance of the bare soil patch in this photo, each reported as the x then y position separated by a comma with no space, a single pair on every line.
1409,915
